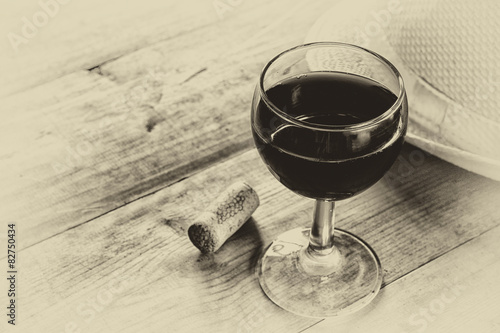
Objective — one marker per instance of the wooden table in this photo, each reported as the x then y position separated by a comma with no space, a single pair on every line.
122,121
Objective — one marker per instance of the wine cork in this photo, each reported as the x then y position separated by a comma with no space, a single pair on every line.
223,217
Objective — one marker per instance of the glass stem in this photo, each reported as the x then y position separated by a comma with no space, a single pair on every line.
321,237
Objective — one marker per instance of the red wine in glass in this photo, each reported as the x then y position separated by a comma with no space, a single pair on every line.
328,165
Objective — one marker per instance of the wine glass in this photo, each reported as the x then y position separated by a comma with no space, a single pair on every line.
328,120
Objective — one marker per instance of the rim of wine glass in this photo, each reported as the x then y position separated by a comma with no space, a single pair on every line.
334,128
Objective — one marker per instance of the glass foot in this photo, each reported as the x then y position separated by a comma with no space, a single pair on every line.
335,284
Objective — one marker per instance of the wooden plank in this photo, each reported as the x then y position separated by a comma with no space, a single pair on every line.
458,292
135,269
81,34
46,40
92,141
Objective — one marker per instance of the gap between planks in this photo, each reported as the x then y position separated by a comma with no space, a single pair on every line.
206,166
455,292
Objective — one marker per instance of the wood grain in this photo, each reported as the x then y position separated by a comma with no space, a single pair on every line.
91,141
457,292
81,35
134,268
121,122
